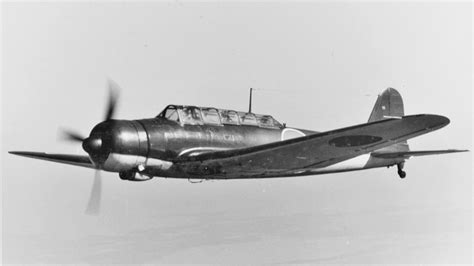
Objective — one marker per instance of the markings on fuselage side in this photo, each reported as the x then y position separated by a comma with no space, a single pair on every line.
291,133
392,116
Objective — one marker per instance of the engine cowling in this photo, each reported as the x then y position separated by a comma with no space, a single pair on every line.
118,145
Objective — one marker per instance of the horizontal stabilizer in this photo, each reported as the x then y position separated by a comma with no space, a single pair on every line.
78,160
407,154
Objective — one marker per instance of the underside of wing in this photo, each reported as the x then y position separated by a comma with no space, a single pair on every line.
77,160
408,154
309,152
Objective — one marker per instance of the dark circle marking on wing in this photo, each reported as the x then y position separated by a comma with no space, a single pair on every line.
354,141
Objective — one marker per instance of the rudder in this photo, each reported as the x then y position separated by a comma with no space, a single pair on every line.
389,104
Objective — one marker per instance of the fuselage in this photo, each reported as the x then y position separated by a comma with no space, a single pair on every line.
154,143
150,147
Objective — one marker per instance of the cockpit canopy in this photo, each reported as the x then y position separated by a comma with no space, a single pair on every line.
192,115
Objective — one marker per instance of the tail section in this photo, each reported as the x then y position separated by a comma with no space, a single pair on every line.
389,104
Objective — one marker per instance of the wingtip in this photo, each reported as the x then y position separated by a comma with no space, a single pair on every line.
437,121
443,120
23,153
456,151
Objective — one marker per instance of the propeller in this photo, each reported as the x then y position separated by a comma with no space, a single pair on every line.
93,144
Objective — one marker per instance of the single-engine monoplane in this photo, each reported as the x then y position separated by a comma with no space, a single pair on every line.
209,143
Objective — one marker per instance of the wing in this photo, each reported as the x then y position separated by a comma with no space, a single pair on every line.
309,152
78,160
408,154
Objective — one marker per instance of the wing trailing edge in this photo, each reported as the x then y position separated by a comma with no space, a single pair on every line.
77,160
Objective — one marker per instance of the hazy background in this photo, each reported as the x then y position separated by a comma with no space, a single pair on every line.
321,65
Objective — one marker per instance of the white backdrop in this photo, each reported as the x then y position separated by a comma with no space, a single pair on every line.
325,63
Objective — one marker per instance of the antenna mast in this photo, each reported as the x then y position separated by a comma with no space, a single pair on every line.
250,101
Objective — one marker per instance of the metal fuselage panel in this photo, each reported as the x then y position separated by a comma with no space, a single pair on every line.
167,140
174,139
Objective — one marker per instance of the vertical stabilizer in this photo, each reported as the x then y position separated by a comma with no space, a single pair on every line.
389,104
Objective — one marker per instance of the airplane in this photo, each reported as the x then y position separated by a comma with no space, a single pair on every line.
208,143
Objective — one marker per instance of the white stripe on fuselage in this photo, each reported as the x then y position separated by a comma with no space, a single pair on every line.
199,150
355,163
291,133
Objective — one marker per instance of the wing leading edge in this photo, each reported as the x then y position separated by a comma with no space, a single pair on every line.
77,160
310,152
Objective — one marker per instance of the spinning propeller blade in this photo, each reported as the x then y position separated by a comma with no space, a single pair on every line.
113,96
93,206
72,136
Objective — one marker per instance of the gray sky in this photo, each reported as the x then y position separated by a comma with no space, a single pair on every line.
325,62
